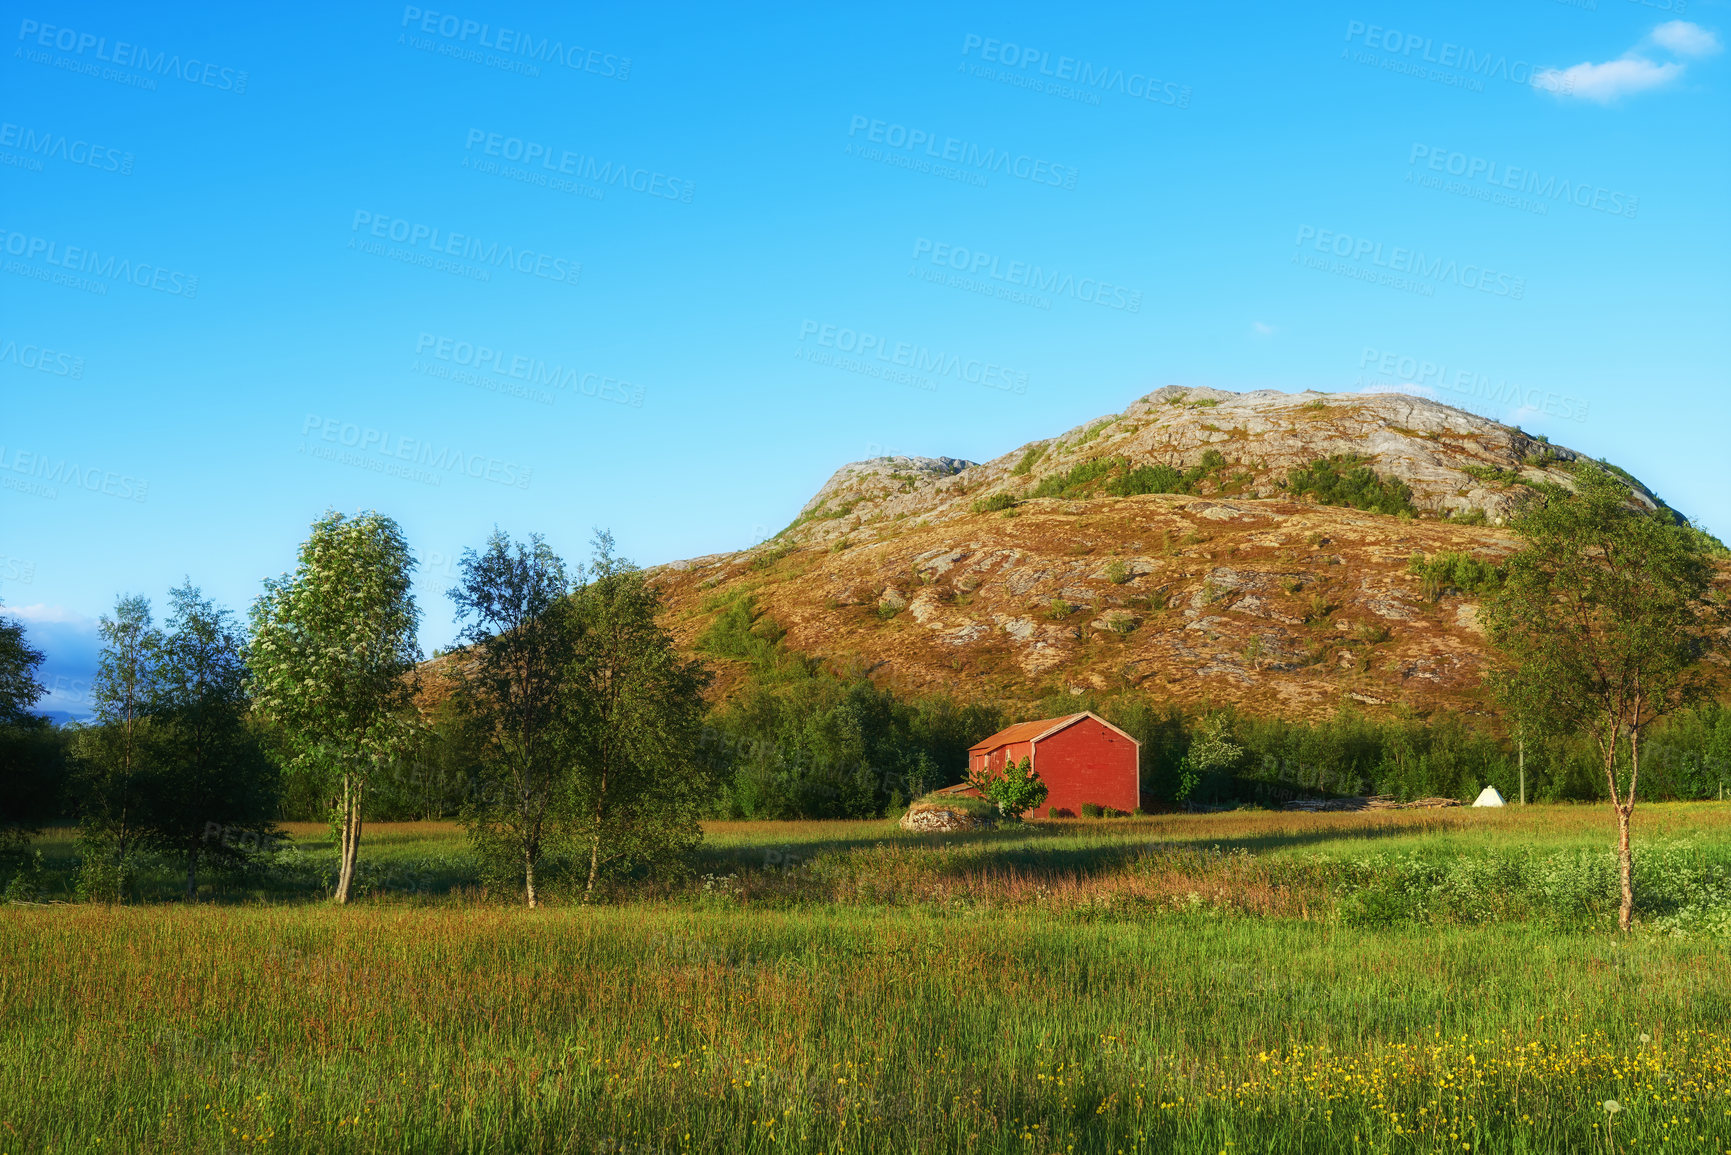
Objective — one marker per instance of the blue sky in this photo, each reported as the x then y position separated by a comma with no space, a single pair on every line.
664,271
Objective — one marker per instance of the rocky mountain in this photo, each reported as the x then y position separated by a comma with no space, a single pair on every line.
1182,546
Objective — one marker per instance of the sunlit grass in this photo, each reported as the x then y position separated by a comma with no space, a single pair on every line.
170,1028
1238,981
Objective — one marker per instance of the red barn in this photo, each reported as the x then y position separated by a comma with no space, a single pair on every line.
1081,758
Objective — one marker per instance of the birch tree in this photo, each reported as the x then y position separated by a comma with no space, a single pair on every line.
332,660
216,794
636,710
113,757
1602,618
518,623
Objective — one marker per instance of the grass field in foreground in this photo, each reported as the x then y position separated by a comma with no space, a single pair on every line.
837,987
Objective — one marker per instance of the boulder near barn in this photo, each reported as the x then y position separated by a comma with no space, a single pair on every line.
1082,758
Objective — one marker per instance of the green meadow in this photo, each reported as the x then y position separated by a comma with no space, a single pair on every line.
1243,981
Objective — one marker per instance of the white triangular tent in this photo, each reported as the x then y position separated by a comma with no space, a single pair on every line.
1489,797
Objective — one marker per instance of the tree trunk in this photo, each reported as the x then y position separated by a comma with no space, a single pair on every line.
1625,854
594,860
1625,868
342,895
192,873
1523,763
349,847
595,842
529,877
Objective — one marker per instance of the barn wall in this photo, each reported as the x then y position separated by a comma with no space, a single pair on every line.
1088,762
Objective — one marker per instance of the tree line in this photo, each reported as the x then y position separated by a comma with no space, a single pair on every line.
573,740
577,719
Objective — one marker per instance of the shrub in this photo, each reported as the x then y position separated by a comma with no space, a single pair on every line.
995,503
1078,479
1029,460
1143,479
1092,810
1346,480
1454,572
1016,789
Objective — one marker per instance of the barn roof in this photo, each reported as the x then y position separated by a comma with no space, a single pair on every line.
1028,731
1022,732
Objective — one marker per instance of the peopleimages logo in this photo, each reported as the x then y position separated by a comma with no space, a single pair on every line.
429,241
40,358
90,263
1464,66
929,146
1067,76
564,162
37,145
1024,275
890,356
1477,170
44,472
1410,263
135,56
525,47
533,373
1433,375
410,457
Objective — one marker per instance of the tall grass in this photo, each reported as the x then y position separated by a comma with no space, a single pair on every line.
650,1029
1404,981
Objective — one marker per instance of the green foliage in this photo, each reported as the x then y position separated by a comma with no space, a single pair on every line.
746,634
995,503
632,713
1029,459
833,745
514,605
1454,572
1093,431
1114,475
19,689
115,769
1346,480
766,557
1157,478
333,657
1079,480
1492,475
30,762
1016,788
1604,608
214,793
1205,773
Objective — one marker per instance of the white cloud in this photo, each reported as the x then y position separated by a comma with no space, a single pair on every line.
1613,79
44,614
1686,39
1608,81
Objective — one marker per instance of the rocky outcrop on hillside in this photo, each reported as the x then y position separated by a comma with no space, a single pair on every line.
937,574
1453,461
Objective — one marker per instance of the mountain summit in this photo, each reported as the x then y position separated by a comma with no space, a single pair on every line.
1284,552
